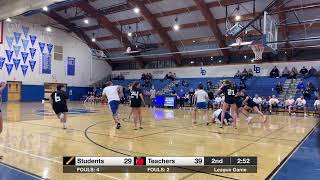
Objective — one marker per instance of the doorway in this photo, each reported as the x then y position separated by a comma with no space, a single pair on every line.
14,91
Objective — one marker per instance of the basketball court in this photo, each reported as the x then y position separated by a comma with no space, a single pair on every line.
50,49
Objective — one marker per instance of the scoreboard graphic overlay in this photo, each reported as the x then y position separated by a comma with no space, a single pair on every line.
201,164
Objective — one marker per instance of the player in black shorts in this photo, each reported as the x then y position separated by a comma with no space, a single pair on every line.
136,100
58,100
229,90
249,104
2,86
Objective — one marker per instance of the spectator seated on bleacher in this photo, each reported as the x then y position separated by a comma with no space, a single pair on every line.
303,72
293,73
285,72
237,75
289,105
274,72
257,100
307,93
300,104
300,87
279,88
250,73
171,76
273,103
312,72
265,104
185,83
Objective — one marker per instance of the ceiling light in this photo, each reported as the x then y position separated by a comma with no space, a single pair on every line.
219,61
130,34
211,57
93,39
245,57
252,60
237,18
136,10
86,21
194,41
176,27
48,29
8,20
45,8
191,62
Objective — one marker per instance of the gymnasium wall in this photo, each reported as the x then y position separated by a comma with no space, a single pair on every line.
262,69
75,69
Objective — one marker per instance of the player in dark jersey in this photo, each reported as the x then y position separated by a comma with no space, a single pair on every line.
229,90
136,99
249,104
2,86
58,100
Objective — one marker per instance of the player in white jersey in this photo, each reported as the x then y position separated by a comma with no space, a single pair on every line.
2,86
200,100
113,93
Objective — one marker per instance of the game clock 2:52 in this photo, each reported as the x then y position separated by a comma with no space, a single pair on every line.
244,160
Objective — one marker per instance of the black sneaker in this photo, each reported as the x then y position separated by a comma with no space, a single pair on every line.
118,126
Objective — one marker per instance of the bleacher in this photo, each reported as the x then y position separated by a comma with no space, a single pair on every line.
310,101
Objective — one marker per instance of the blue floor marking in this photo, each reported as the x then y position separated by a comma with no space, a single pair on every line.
11,173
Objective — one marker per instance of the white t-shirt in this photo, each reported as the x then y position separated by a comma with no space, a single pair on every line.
112,93
152,93
217,113
300,102
201,96
218,99
289,102
273,101
317,103
257,100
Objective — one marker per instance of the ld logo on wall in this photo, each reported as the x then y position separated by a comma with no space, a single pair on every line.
256,69
203,72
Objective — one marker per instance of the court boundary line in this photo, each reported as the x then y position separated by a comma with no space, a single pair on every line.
22,171
285,160
115,151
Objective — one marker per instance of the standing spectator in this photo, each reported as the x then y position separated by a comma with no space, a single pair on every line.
301,105
293,73
312,72
237,75
279,88
303,71
289,105
181,99
273,103
258,101
244,74
153,96
250,73
274,72
285,72
191,93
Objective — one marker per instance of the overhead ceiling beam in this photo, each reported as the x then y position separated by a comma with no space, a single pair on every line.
284,30
55,16
297,8
157,27
213,24
105,23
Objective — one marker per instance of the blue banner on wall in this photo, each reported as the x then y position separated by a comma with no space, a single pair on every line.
16,50
9,68
25,44
42,45
9,54
25,31
16,63
32,52
9,41
46,63
24,69
49,46
2,60
17,36
24,56
32,64
71,66
33,39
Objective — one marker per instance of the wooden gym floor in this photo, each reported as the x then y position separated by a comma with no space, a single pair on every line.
33,140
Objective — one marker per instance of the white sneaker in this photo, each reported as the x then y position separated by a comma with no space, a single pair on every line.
64,125
249,119
225,122
305,115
